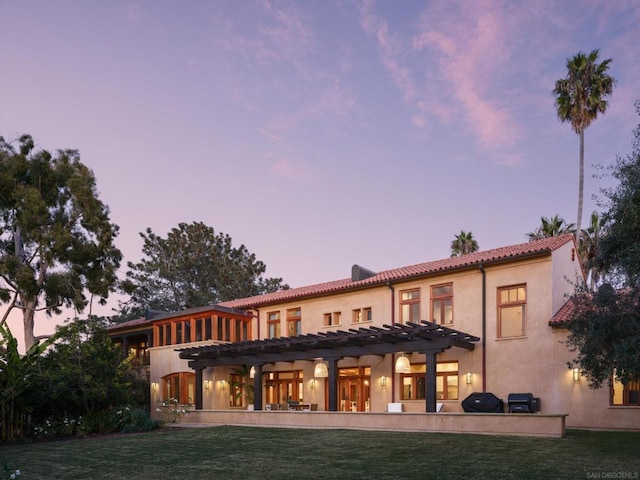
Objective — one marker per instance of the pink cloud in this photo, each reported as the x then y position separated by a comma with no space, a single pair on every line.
389,48
471,44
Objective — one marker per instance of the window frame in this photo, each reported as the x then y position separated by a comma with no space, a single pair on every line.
332,319
419,379
627,388
411,303
274,325
294,322
182,380
510,304
440,298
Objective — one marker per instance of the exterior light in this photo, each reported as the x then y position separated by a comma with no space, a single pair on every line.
223,384
154,386
383,381
469,378
207,384
403,365
576,374
252,372
321,370
312,383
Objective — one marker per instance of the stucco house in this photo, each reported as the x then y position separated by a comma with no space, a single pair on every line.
420,338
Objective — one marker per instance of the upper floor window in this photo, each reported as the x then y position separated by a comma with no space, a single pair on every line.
187,330
442,304
625,394
294,322
273,325
512,303
410,306
361,315
331,319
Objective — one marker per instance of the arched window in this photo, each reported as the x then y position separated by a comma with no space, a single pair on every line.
180,386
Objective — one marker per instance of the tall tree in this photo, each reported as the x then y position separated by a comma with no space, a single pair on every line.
590,247
620,248
551,227
605,325
463,243
193,266
579,98
56,239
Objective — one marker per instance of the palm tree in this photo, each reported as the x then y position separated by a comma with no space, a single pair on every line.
590,248
463,244
579,98
551,227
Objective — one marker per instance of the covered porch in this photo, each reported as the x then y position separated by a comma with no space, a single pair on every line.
425,338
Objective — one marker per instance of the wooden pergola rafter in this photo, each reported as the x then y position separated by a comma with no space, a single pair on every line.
424,337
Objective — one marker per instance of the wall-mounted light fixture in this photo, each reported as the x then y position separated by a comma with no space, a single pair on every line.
402,364
383,381
154,386
469,377
321,370
312,383
576,374
207,384
252,372
223,384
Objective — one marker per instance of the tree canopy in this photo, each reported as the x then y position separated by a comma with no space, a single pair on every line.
463,243
579,98
193,266
620,248
56,239
605,324
551,227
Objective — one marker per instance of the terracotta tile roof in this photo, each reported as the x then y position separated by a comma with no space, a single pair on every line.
563,315
471,260
138,322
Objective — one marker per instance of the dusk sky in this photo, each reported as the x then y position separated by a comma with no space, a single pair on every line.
321,133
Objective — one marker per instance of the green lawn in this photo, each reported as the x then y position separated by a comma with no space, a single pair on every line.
250,453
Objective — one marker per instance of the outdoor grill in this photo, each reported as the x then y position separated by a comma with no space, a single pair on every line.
479,402
523,403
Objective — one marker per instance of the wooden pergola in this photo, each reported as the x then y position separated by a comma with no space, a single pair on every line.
426,337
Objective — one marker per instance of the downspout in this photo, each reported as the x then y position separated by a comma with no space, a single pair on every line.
393,355
257,317
484,328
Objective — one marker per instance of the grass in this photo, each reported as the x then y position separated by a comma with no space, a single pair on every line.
270,453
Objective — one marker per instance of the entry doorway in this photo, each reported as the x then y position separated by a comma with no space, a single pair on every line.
354,389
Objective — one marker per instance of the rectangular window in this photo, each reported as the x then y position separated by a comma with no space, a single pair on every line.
628,394
198,329
167,336
413,384
442,304
294,322
273,324
207,329
410,306
331,319
361,315
187,331
511,311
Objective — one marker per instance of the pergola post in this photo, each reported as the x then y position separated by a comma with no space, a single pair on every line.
257,387
430,382
333,384
199,388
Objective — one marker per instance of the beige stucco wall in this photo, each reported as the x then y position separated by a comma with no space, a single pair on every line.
536,362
